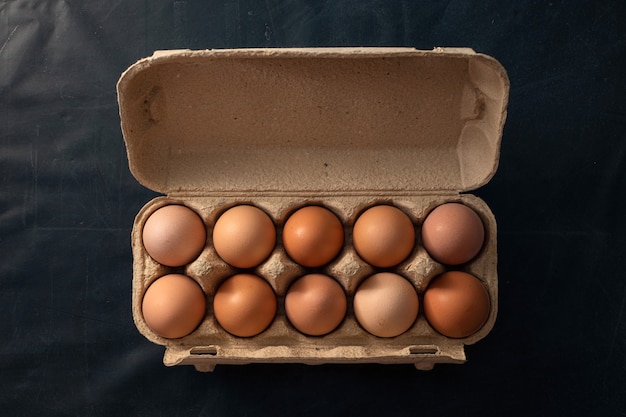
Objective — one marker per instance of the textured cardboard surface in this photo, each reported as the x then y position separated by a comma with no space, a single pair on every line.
346,120
344,128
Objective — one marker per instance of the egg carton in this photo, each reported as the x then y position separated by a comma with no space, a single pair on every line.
344,128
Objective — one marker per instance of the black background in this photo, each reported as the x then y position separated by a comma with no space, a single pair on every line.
68,346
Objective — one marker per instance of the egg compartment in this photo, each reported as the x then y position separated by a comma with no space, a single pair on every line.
210,344
344,128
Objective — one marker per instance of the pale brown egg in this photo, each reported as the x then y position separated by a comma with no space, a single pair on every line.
313,236
174,235
386,304
173,306
453,233
315,304
456,304
244,305
244,236
383,236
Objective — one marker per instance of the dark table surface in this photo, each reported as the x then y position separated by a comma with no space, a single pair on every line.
68,345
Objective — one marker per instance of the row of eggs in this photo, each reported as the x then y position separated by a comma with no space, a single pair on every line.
244,235
455,303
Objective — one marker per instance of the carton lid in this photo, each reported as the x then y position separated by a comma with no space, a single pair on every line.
346,120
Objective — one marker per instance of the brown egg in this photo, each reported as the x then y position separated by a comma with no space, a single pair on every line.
244,236
456,304
386,304
383,236
244,305
453,234
174,235
313,236
173,306
315,304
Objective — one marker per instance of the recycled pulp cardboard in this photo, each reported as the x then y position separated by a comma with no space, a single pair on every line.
346,128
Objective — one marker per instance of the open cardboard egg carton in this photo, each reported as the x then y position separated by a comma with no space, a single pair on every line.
344,128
